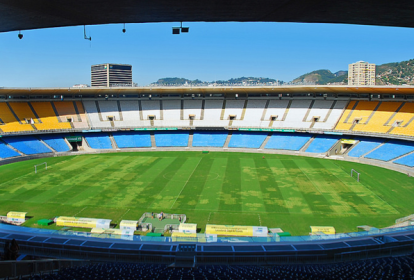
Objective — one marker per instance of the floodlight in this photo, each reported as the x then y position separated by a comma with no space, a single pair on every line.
20,35
176,30
185,29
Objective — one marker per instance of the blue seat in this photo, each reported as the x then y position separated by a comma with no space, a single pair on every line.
132,139
6,152
56,142
98,140
407,160
209,138
322,144
391,150
28,145
287,141
171,139
364,146
247,139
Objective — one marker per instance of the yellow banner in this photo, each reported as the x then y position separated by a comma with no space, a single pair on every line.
187,228
16,215
229,230
348,141
325,230
183,234
82,222
126,224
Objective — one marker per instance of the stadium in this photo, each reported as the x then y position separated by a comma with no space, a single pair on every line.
220,182
224,156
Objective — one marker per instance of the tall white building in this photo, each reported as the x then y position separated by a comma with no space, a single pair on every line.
361,73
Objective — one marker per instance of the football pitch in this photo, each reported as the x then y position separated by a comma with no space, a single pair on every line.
288,192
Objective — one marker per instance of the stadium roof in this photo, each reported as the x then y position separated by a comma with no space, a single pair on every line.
33,14
225,90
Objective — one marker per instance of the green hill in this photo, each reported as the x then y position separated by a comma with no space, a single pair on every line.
395,73
322,77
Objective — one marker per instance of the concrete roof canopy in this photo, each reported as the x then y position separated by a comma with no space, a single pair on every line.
34,14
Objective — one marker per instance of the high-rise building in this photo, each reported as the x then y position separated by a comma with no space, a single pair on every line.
111,75
361,74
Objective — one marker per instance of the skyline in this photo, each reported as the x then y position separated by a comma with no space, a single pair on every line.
60,57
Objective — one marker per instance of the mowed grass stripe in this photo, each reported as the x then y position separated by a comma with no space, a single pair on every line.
190,194
230,198
35,184
18,170
20,184
77,181
294,200
177,181
316,201
251,192
134,183
59,185
96,183
329,186
269,185
153,189
210,196
372,201
116,182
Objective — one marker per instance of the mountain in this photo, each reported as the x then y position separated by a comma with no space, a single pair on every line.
176,81
322,77
233,81
247,80
396,73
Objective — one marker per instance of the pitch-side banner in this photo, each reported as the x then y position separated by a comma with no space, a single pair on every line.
82,222
326,230
19,217
128,225
188,228
228,230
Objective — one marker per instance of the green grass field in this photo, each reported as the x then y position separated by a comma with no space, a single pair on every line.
289,192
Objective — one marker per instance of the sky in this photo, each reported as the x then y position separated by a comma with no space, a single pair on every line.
61,57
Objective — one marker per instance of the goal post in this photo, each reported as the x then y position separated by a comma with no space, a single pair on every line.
353,171
37,166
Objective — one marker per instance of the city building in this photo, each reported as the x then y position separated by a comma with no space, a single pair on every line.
361,74
111,75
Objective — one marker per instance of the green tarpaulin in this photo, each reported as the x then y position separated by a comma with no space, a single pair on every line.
44,222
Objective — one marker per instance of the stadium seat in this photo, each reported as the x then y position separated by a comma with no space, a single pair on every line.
132,139
6,152
28,145
9,123
407,160
287,141
364,146
390,150
247,139
171,139
209,138
56,142
94,116
47,116
378,117
403,120
98,140
374,269
322,144
67,110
